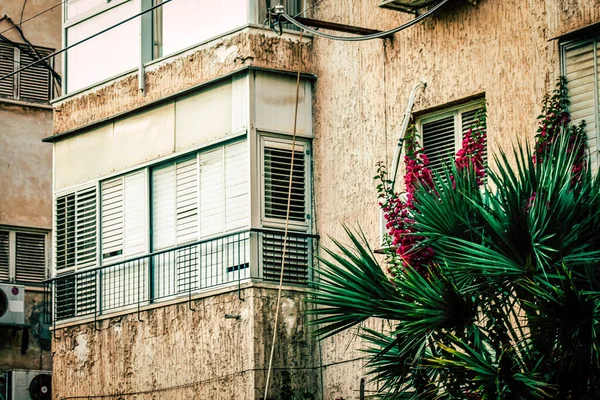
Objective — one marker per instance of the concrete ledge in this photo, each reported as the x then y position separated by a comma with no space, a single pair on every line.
179,300
220,57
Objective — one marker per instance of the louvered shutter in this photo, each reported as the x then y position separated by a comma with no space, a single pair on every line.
30,262
277,163
4,256
296,258
7,65
75,249
277,156
439,141
581,68
35,82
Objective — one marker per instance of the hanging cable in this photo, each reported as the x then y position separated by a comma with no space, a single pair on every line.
84,40
280,13
287,222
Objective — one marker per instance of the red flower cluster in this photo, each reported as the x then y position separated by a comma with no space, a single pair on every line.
472,152
556,120
397,212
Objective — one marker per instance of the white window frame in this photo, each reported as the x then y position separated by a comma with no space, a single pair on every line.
12,252
286,143
566,45
445,112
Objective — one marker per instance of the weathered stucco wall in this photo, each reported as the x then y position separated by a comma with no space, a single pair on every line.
43,30
500,48
178,353
25,166
200,65
37,355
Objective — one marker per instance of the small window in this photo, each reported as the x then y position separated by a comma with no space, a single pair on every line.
23,256
33,84
277,157
580,61
442,132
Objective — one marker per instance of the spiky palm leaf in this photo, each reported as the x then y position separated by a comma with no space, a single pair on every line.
511,307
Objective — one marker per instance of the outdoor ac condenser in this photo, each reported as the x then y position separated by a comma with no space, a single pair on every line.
406,5
28,385
12,304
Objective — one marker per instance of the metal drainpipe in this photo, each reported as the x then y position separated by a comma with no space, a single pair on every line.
407,114
141,72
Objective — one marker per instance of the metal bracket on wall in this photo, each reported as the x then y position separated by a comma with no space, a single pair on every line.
190,299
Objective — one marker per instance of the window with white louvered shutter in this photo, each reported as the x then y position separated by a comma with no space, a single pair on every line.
4,256
277,162
581,65
30,261
277,165
442,133
75,249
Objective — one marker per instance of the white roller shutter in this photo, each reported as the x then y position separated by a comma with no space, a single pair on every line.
237,200
175,222
212,207
581,66
124,235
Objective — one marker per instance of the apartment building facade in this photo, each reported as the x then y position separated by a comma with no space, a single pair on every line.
26,194
173,144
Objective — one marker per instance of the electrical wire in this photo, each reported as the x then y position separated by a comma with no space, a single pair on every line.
35,16
287,223
372,36
85,40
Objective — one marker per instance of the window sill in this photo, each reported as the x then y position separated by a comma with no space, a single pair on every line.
4,100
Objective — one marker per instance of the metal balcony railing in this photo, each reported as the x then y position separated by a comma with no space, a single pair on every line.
181,271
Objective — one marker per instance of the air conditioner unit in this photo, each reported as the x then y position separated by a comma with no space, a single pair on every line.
28,385
406,5
12,304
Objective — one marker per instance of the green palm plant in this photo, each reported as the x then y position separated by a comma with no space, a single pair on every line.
509,306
